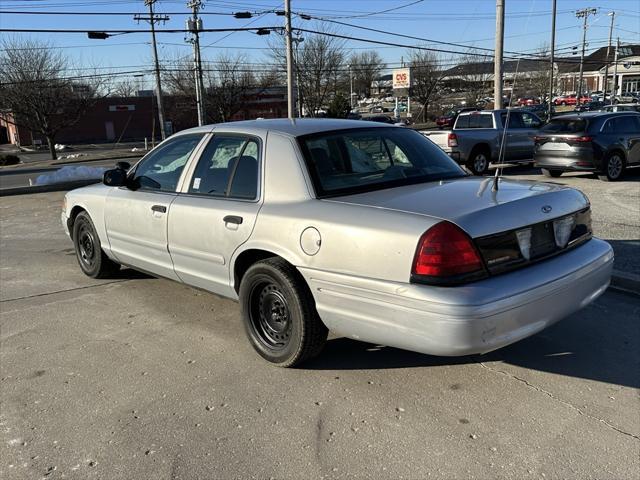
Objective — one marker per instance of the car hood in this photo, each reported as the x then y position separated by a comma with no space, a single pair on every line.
471,203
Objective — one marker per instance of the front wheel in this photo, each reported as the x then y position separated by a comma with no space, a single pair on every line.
93,261
279,313
613,167
479,162
551,173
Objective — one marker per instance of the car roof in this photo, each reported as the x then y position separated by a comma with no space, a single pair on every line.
293,128
591,115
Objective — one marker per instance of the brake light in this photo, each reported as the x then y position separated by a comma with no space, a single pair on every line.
582,139
539,139
445,251
452,140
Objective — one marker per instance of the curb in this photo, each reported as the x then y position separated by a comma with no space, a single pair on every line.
626,282
56,187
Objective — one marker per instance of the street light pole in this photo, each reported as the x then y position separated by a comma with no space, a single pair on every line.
289,46
499,45
584,13
152,19
606,67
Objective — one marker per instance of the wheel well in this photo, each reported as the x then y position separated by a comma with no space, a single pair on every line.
75,211
244,261
481,147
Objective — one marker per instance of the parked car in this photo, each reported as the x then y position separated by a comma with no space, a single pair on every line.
626,97
364,229
354,115
476,138
571,100
380,119
541,110
527,101
621,107
591,106
605,143
449,118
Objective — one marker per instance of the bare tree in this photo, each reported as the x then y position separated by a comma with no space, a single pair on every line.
365,68
41,90
476,74
426,75
320,67
124,88
538,75
231,80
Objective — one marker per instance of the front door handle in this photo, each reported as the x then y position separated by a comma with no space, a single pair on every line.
159,208
233,219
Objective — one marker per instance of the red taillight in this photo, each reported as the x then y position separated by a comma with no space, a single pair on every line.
583,139
539,139
452,140
446,251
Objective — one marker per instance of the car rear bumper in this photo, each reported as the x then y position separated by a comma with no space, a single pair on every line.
580,161
469,319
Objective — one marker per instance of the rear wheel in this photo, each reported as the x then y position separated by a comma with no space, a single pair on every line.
551,173
479,162
613,166
279,313
92,260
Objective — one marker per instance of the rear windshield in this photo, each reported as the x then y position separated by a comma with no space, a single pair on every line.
358,160
565,125
475,120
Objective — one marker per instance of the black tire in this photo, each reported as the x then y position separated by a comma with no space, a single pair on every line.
551,173
92,260
279,314
563,104
478,161
613,166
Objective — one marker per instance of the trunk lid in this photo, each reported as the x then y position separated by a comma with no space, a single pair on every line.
471,204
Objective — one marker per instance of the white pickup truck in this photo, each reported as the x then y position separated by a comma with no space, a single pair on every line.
476,138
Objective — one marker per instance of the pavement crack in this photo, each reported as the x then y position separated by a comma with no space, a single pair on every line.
553,397
86,287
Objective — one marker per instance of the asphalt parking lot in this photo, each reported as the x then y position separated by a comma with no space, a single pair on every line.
137,377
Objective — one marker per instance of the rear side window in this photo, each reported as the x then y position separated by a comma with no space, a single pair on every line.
228,167
561,125
625,124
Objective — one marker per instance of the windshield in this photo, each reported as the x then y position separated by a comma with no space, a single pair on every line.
568,125
352,161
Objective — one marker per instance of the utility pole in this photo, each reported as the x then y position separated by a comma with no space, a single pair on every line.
584,13
194,25
553,50
350,87
614,89
606,67
289,44
153,19
497,62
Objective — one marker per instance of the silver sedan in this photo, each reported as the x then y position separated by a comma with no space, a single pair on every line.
364,229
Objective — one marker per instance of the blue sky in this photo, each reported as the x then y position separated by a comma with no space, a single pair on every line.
470,22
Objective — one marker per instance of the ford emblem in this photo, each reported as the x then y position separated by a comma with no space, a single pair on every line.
546,209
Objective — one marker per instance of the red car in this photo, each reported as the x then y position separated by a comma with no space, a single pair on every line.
571,100
527,101
448,119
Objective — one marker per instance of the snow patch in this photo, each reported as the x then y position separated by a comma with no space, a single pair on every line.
69,174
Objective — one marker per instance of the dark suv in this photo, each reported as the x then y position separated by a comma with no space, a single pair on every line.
605,143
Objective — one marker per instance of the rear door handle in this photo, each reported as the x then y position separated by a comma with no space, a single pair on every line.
159,208
233,219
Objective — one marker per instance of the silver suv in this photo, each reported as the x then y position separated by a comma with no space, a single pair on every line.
605,143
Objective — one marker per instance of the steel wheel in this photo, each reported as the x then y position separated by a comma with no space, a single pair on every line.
86,246
614,166
270,315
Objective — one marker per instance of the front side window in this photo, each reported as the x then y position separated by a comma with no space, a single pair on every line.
162,168
352,161
228,167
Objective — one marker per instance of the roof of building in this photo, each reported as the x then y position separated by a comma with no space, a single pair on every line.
598,59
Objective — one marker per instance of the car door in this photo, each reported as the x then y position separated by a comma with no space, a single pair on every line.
516,137
216,211
530,127
136,215
628,127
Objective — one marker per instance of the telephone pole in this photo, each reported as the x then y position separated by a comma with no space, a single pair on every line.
584,13
553,50
194,25
153,19
606,67
289,44
497,65
614,88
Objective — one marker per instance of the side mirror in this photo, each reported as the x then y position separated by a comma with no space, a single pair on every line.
116,177
123,166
